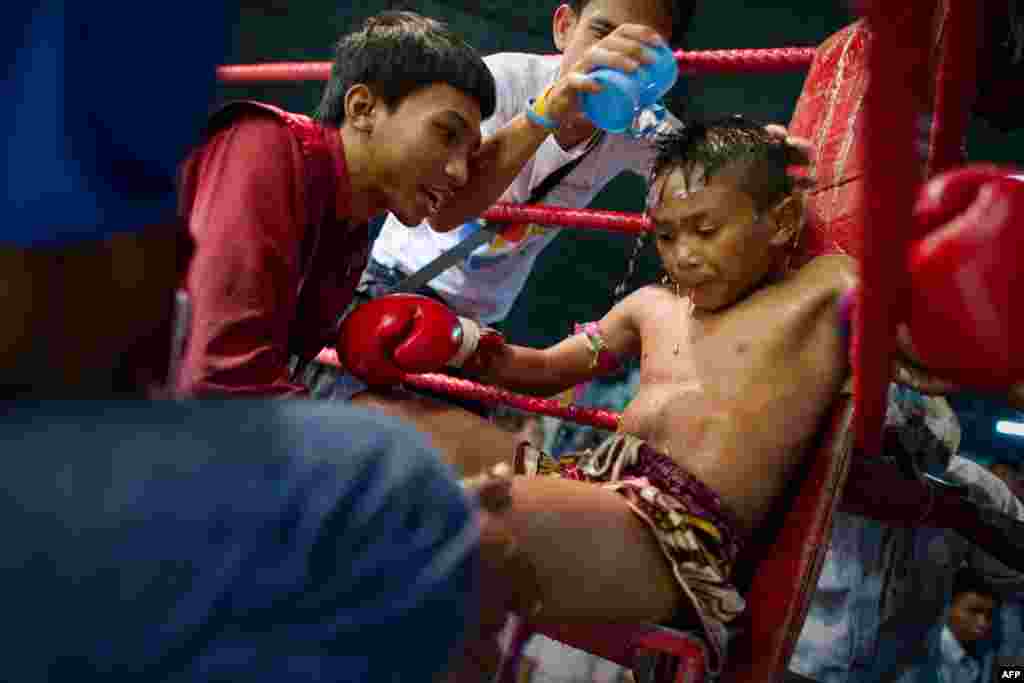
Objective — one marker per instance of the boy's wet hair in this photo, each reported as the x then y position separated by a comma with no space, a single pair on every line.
396,53
682,16
729,142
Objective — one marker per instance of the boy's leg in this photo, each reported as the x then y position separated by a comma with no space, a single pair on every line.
583,551
594,558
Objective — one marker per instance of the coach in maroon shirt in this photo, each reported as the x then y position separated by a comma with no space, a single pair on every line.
278,202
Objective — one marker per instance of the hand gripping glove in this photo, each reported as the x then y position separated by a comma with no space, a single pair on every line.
386,338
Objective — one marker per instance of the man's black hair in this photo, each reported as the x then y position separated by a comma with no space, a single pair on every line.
682,16
396,53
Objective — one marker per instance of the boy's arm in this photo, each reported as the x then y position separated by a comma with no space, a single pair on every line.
502,155
576,359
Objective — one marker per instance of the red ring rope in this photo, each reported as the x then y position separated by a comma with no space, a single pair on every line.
955,86
899,53
463,388
614,221
777,60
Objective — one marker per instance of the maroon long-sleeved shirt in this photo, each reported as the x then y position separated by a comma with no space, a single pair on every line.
266,280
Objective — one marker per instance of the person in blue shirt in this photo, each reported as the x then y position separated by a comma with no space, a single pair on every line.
965,643
187,541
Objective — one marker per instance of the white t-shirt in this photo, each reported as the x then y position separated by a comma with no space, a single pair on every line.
486,284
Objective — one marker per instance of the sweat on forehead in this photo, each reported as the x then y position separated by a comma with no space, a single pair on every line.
677,182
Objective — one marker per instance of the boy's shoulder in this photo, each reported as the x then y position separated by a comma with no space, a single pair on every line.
640,301
815,286
828,270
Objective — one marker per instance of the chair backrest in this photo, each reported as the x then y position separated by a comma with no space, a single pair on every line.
782,569
783,578
829,114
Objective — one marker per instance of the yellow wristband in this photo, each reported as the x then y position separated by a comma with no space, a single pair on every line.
537,111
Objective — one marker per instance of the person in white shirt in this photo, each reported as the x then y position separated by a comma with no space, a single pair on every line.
968,626
486,283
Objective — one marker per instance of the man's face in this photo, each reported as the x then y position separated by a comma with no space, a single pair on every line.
422,149
970,617
575,34
709,235
1004,472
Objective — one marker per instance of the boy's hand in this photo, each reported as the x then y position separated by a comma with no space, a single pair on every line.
623,49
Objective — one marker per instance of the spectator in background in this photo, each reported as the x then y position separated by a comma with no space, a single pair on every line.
965,636
875,613
1009,471
1009,626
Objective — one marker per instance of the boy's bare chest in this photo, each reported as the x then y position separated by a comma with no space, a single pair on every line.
731,349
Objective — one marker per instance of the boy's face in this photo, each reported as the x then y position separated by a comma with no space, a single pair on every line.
710,237
970,617
575,34
422,149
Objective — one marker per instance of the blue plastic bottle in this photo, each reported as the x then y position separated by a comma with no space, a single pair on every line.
624,95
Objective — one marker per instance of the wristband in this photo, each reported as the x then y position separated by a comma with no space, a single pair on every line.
537,109
469,341
603,359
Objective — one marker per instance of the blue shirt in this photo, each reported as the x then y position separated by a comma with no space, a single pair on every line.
234,541
956,666
1009,623
101,102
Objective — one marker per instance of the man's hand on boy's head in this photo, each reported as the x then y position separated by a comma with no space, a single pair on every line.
801,145
624,49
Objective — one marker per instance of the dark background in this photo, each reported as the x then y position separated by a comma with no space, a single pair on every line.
574,279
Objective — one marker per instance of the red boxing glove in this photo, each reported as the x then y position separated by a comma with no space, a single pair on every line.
962,321
386,338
